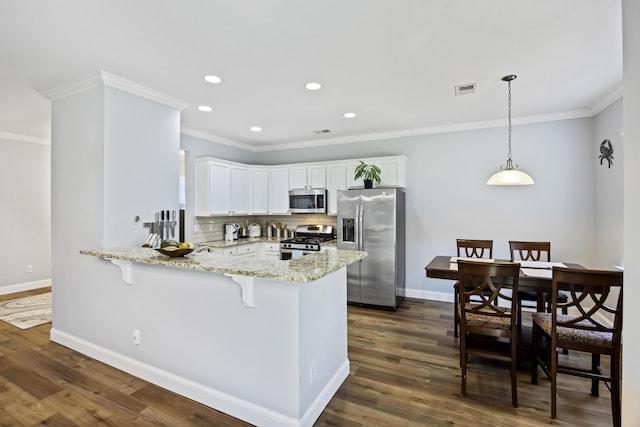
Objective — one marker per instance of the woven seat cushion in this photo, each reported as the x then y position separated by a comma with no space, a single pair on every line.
486,321
570,334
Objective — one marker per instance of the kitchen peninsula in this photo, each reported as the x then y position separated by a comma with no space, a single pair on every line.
264,341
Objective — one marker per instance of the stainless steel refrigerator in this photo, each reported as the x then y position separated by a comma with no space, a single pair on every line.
373,220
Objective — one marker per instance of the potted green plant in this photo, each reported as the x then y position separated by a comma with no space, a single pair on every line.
368,173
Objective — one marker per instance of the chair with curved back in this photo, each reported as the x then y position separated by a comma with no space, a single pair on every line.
533,251
593,325
481,285
469,248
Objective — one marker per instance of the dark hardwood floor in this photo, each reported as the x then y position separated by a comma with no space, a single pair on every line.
404,372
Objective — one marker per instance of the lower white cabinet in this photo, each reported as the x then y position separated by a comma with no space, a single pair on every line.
271,251
247,250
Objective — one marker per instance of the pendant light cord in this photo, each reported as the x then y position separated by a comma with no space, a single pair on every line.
508,79
509,116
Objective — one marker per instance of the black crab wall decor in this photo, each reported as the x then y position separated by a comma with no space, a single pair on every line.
606,152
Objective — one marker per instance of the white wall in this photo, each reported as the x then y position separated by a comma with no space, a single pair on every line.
447,195
114,156
631,347
609,191
25,215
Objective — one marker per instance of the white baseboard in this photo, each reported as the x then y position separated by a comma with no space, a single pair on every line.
234,406
27,286
433,296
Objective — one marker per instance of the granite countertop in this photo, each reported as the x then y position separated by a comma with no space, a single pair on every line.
303,269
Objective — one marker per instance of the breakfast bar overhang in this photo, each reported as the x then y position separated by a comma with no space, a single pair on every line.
263,341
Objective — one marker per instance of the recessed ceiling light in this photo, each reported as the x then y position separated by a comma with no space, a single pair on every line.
204,108
349,115
256,129
212,79
313,86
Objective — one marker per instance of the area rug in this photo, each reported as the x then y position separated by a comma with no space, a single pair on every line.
27,312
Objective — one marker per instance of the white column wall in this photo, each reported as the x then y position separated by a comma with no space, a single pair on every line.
631,107
100,139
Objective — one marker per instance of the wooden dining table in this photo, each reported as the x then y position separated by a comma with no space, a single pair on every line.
442,267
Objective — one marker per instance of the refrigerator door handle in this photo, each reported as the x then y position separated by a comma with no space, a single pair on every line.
360,230
357,228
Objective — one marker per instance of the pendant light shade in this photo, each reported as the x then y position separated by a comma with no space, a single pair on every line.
510,175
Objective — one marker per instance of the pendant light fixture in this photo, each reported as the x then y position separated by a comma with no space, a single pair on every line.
509,175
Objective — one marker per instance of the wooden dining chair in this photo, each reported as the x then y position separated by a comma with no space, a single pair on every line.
482,284
593,325
533,251
469,248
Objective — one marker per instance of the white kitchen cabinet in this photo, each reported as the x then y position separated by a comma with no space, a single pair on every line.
258,190
278,190
336,180
393,171
305,177
247,251
220,188
271,251
239,190
212,188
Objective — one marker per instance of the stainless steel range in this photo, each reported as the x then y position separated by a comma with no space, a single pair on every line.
308,240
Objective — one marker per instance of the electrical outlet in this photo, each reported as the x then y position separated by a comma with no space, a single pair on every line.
29,268
136,336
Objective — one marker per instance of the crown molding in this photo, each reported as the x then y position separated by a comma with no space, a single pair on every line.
107,79
217,139
607,100
24,138
458,127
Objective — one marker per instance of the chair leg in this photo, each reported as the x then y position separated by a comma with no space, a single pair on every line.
463,362
554,376
514,368
616,410
455,312
535,343
595,368
564,311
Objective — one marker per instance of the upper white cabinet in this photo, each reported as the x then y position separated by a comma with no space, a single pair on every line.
393,171
258,190
278,190
212,189
226,188
336,180
239,190
305,177
220,188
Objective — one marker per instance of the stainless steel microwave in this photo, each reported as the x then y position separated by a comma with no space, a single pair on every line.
308,201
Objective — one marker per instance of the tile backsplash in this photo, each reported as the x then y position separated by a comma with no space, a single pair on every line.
208,229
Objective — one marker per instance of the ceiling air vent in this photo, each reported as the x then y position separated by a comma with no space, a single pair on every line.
322,131
465,89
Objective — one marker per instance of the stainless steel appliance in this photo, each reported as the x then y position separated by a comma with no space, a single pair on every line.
309,239
373,220
308,201
254,230
231,230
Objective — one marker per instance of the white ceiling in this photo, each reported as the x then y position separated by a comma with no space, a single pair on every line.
393,62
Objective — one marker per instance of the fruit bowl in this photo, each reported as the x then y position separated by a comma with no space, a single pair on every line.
175,252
